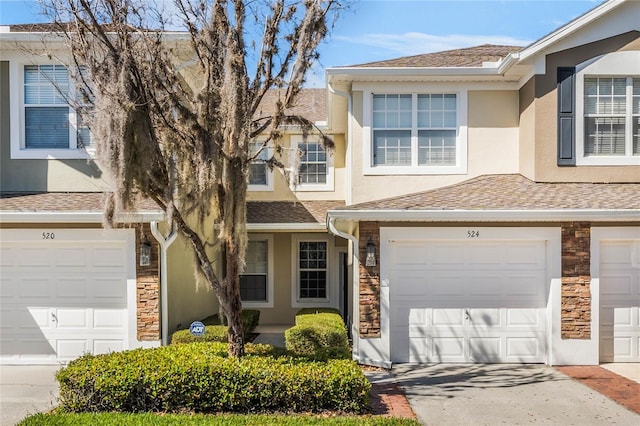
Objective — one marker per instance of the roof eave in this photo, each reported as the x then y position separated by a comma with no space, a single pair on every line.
444,215
568,29
310,227
77,217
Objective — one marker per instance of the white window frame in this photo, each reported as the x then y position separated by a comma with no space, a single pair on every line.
269,185
296,301
615,64
369,90
329,185
17,110
270,272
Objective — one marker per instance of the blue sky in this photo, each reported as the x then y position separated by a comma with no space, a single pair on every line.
374,30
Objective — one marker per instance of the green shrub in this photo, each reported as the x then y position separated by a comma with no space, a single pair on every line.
318,334
215,332
250,320
198,377
212,333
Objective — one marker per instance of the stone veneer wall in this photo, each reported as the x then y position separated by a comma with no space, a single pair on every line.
576,281
147,288
369,285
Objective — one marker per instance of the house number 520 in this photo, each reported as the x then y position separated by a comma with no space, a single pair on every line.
473,234
48,236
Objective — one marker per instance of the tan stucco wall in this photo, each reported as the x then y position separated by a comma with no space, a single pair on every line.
492,147
282,191
40,175
527,108
546,168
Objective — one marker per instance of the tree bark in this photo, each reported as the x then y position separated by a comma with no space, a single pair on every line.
232,304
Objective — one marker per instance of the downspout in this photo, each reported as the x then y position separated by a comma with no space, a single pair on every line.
349,140
164,242
331,226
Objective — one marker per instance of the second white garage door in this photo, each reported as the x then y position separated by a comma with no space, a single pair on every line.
62,299
620,301
467,301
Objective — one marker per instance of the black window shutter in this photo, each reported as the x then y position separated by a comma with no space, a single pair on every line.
566,116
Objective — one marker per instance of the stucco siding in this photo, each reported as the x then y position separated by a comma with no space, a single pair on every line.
40,175
546,168
527,128
492,148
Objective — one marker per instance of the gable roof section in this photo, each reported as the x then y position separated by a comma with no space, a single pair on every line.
311,104
467,57
507,196
67,207
283,212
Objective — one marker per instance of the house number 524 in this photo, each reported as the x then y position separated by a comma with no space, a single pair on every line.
48,236
473,234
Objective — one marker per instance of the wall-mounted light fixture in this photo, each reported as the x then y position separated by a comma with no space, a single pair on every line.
371,254
145,251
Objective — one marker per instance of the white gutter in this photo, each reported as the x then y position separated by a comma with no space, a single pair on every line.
356,278
164,242
349,140
76,217
613,215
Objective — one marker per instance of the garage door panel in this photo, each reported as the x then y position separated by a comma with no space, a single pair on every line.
485,349
471,301
108,257
57,305
71,257
619,301
108,318
490,285
103,346
532,318
447,318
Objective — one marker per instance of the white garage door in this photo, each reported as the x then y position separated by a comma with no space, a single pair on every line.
468,301
620,301
60,300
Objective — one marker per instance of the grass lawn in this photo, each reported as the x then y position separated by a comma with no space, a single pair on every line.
144,419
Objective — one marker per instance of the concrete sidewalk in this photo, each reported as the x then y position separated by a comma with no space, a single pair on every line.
26,390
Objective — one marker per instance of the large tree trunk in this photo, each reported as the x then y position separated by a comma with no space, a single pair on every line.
233,305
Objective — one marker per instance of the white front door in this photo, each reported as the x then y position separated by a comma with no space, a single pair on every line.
467,301
62,299
620,301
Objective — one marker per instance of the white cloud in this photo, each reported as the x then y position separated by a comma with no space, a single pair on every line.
415,43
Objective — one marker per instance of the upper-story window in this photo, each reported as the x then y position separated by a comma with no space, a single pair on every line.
611,116
608,110
315,165
48,126
414,132
424,138
260,175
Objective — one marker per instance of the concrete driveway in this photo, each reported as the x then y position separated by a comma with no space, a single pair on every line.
495,394
26,390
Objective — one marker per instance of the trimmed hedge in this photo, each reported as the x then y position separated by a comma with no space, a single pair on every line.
319,334
198,377
215,332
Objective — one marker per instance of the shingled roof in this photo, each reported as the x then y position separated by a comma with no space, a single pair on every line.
514,192
41,202
290,211
311,104
467,57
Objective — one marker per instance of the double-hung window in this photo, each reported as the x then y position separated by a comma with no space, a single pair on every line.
607,110
415,133
49,124
260,175
256,286
314,163
312,270
611,116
